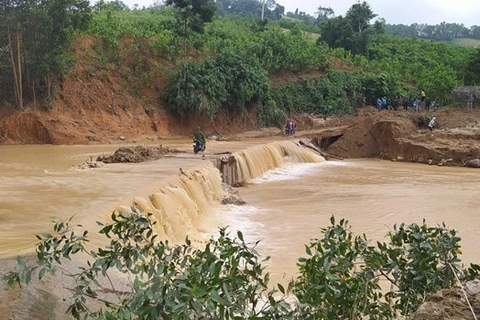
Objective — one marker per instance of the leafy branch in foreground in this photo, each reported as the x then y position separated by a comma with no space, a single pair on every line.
342,274
341,277
222,281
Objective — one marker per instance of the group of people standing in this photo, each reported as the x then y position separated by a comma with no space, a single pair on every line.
290,128
417,103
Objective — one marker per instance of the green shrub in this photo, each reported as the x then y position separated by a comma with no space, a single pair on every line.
335,93
335,282
270,115
339,278
229,80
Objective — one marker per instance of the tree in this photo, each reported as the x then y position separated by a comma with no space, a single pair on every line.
352,32
62,19
13,16
360,15
191,17
338,33
323,13
115,5
438,83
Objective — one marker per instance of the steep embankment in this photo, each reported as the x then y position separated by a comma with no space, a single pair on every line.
108,97
403,136
91,104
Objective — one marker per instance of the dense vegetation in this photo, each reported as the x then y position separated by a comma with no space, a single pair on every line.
339,276
222,64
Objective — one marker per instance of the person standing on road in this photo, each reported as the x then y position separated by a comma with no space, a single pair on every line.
379,104
428,104
384,103
423,95
470,101
406,102
416,102
431,124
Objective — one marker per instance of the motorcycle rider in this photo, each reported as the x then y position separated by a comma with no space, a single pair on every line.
200,137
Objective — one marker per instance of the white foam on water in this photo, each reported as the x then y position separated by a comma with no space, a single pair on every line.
338,163
290,171
241,218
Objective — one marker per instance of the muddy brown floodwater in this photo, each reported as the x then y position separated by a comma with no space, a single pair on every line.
285,208
39,182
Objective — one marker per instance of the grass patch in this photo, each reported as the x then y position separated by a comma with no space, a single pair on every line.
466,42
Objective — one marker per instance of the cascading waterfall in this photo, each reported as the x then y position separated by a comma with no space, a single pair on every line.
182,202
254,162
180,206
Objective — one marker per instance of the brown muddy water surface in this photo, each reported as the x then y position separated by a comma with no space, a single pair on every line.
372,195
38,182
285,208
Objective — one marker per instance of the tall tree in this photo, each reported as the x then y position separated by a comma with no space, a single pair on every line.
338,33
191,17
360,15
37,34
13,14
115,5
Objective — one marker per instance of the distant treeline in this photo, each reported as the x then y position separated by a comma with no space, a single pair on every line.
440,32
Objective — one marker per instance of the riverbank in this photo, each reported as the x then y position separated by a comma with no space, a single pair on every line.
391,135
404,136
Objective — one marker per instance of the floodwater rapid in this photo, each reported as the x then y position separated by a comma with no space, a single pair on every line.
285,207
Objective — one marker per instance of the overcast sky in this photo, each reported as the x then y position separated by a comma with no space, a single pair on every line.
394,11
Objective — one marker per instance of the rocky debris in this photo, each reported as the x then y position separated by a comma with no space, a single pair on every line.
89,164
232,196
445,162
137,154
473,163
451,304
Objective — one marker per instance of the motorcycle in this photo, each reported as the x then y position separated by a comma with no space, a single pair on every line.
198,146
